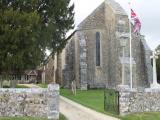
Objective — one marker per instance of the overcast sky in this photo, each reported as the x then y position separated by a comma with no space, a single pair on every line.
148,12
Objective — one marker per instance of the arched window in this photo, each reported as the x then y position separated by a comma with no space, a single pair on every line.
98,46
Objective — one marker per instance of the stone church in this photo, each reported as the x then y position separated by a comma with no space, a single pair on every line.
93,56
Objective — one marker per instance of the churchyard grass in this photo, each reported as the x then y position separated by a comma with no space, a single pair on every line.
21,86
143,116
21,118
17,86
94,99
62,117
42,85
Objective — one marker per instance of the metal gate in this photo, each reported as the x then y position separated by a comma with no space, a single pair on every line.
111,101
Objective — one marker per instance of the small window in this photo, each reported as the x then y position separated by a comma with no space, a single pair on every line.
98,49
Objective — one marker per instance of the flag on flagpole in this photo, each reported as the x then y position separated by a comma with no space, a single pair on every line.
137,23
133,14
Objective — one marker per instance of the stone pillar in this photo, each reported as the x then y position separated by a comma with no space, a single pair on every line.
83,64
44,75
53,101
124,98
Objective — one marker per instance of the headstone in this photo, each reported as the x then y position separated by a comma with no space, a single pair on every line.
73,87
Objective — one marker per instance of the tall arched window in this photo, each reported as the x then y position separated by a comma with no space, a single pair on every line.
98,46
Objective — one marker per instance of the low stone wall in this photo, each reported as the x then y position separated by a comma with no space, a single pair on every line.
138,101
34,102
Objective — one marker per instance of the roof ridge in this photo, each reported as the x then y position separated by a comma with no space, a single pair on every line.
92,13
117,8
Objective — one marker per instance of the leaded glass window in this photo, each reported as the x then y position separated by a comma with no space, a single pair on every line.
98,49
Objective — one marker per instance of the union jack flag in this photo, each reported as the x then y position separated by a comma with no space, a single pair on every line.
137,23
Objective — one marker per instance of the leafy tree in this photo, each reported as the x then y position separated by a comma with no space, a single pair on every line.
18,40
28,28
158,65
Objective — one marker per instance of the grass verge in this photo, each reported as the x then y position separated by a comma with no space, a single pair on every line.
62,117
21,118
93,99
21,86
17,86
42,85
142,116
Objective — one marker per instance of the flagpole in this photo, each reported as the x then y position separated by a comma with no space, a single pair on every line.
130,30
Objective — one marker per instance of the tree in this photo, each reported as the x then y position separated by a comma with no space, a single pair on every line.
60,18
28,28
18,44
158,65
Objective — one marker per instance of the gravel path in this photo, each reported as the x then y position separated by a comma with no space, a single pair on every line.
75,111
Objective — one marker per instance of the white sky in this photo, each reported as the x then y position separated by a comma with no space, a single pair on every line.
147,10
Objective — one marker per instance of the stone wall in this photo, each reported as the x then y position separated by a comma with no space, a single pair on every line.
30,102
96,76
49,71
139,101
69,65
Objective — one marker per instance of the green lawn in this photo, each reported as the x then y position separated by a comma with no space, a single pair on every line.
21,86
17,86
143,116
21,118
91,98
62,117
29,118
42,85
94,99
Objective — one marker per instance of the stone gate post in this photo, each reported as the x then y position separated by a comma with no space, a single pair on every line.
53,101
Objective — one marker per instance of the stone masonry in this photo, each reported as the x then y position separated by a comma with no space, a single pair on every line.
135,101
110,21
83,64
30,102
